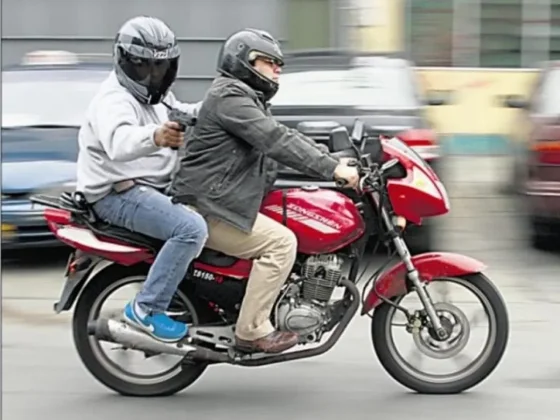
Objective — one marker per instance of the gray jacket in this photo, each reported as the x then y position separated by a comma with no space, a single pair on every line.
230,156
116,142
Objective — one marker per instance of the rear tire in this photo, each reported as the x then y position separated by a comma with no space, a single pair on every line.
382,348
188,373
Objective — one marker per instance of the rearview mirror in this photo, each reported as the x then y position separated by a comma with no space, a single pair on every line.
358,131
339,140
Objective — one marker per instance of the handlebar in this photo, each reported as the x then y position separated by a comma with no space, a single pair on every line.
370,177
342,182
371,172
367,169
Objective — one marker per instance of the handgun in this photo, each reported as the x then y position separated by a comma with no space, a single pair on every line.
182,118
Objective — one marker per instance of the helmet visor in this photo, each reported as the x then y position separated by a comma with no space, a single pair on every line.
155,75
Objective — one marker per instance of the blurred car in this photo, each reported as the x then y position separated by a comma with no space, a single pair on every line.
320,90
536,168
44,100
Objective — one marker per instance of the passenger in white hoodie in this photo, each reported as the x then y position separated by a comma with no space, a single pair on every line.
127,157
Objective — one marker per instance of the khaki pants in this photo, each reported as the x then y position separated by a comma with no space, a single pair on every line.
272,247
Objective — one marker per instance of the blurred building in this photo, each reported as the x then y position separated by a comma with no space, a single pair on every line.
480,49
88,26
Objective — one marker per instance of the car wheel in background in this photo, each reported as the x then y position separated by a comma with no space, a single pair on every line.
542,235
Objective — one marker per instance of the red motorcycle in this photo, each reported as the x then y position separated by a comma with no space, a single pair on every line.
396,186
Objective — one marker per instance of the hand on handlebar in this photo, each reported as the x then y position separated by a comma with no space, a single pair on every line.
347,176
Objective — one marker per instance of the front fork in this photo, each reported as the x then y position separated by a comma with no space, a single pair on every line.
412,272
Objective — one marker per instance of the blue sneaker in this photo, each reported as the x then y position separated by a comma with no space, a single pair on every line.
159,326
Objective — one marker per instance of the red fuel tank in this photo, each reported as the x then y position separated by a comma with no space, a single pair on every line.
323,220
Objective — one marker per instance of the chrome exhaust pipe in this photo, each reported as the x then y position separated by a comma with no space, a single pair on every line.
121,333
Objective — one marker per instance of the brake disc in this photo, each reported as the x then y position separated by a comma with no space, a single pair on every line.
457,325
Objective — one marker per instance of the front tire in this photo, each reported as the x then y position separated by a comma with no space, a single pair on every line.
381,322
185,375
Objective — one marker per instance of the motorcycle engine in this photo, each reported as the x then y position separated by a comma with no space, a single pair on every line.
304,306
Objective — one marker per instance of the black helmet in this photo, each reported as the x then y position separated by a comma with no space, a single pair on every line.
240,51
146,58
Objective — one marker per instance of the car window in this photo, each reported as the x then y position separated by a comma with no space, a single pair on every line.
546,101
31,144
387,86
37,98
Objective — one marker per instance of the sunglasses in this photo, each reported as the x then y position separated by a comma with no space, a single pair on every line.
271,61
268,60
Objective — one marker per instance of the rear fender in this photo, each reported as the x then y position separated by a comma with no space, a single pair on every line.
84,240
430,266
77,280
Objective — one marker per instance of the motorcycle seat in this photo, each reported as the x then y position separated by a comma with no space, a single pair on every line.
207,256
102,228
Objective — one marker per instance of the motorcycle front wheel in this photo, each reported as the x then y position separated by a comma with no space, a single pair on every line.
428,346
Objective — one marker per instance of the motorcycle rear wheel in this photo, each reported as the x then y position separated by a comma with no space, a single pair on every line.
384,346
100,285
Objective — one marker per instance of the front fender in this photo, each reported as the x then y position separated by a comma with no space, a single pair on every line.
430,265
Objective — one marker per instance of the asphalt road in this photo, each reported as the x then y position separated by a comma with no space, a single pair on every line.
43,377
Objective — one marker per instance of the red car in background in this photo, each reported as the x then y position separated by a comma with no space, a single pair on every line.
537,156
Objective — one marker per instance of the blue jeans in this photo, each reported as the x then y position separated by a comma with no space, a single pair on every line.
145,210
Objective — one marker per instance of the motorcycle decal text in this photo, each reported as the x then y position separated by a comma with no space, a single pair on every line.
204,275
308,218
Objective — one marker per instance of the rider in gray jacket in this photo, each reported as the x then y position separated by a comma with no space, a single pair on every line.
127,157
